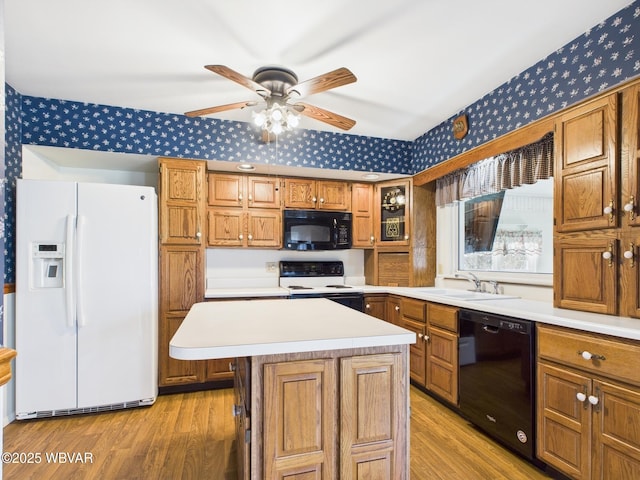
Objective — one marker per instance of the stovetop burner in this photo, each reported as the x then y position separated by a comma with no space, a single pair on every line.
299,287
338,286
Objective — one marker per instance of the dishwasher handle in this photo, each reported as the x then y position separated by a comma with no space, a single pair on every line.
491,329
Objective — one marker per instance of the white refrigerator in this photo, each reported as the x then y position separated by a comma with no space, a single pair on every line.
86,297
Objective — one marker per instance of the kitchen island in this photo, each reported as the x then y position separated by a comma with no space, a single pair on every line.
321,389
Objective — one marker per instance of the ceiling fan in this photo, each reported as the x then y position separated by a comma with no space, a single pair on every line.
278,87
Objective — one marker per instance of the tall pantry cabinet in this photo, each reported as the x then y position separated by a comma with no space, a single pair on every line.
596,206
182,198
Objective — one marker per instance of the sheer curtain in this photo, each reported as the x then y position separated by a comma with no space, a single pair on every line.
521,166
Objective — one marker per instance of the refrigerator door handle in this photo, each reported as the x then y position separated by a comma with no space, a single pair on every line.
78,272
68,269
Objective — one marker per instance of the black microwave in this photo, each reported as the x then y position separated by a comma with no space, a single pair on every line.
316,230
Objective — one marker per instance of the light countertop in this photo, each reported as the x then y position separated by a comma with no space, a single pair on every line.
537,311
265,327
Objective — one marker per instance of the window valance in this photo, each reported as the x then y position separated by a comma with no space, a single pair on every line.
517,167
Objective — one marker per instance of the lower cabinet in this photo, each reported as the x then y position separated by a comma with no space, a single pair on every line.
442,351
588,404
433,359
376,306
321,415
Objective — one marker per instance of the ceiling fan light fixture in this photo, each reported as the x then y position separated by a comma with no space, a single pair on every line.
276,119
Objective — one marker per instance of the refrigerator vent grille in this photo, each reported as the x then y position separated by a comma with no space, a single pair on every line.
79,411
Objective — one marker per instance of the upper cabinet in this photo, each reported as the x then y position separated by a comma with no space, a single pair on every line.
246,191
181,201
362,211
309,194
586,166
596,205
631,156
244,211
393,203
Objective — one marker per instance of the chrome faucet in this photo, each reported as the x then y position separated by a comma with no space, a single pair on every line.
477,283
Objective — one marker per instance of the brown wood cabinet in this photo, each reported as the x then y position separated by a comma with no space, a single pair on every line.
596,189
181,200
588,404
393,204
442,351
433,359
181,267
329,414
244,211
394,310
310,194
376,306
362,211
587,166
413,314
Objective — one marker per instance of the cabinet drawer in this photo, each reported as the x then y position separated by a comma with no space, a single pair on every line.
413,309
565,346
443,316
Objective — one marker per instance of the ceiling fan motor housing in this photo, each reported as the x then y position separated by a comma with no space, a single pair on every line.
276,79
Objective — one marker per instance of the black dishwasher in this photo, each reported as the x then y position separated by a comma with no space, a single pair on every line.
497,378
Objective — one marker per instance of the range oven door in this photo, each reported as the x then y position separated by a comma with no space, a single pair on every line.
351,300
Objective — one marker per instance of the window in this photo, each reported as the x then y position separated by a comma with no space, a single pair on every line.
508,231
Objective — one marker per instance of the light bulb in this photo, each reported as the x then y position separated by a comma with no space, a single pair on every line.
259,118
276,128
276,115
292,120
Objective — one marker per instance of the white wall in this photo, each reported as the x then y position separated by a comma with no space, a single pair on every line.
36,165
242,267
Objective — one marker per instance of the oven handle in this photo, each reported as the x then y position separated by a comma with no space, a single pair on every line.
489,329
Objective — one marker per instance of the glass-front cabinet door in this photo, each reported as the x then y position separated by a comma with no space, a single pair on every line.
394,200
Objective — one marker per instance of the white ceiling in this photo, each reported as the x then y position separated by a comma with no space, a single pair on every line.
418,62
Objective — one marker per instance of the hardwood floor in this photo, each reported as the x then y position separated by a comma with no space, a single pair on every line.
190,436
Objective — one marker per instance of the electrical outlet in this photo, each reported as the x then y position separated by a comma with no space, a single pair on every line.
272,267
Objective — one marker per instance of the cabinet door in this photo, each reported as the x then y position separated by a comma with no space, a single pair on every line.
373,414
362,211
564,421
394,310
631,156
333,195
173,371
218,369
181,285
225,227
393,216
442,364
616,436
630,275
417,351
264,228
376,306
300,408
181,203
586,166
226,190
585,273
300,193
263,192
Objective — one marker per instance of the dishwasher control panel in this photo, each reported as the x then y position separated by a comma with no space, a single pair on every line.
514,326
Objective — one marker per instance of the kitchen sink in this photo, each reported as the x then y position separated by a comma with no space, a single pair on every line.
463,294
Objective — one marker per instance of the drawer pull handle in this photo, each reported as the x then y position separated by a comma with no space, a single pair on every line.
236,410
593,400
591,356
581,396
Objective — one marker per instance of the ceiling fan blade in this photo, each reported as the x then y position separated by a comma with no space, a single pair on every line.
239,78
336,78
325,116
219,108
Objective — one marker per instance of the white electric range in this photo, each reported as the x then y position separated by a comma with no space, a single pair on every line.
326,279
